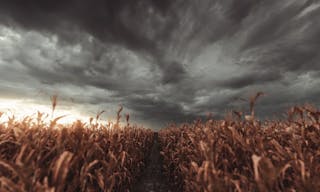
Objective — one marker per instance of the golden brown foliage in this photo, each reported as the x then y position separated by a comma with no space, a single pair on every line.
237,155
52,158
54,100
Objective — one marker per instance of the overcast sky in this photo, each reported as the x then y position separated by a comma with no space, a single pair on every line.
163,60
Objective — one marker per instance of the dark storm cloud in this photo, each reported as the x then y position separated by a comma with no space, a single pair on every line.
288,38
239,11
159,29
137,25
275,25
174,73
161,110
168,60
255,77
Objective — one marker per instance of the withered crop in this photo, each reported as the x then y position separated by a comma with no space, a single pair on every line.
38,157
239,153
245,155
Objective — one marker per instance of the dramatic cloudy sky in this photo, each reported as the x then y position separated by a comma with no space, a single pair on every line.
163,60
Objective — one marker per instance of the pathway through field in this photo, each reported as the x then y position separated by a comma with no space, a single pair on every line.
152,179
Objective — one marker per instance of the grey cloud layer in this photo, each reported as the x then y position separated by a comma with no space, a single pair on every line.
165,61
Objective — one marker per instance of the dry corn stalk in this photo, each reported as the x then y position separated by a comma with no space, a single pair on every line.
237,155
78,157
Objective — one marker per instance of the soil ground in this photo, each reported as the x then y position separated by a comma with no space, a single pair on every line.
152,179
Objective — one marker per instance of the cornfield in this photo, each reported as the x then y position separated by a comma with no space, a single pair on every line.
239,153
40,157
244,154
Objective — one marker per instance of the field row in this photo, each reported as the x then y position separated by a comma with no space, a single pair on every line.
235,154
242,155
39,158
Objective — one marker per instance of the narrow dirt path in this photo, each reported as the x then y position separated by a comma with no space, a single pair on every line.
152,179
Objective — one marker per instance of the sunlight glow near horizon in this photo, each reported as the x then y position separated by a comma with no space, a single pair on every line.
23,108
